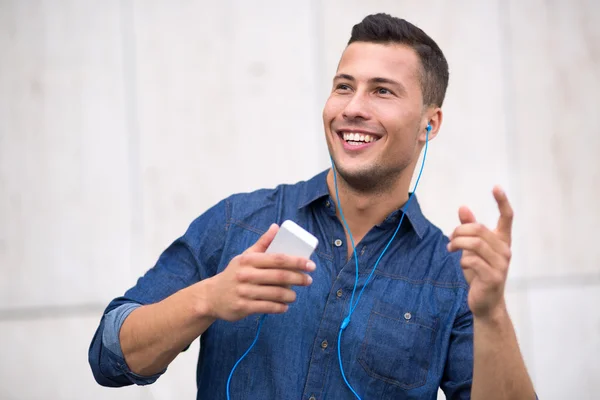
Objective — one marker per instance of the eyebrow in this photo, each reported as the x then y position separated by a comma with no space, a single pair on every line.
372,80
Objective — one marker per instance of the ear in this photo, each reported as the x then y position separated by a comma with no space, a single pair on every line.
432,116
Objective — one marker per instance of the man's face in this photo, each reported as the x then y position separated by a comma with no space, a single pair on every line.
374,114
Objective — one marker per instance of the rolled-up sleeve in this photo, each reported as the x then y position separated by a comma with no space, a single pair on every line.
112,370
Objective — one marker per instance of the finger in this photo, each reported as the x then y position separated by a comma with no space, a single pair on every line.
481,231
504,227
275,294
478,246
277,261
280,277
264,241
465,215
469,273
266,307
475,266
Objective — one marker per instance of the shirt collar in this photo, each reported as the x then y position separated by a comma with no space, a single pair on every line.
316,189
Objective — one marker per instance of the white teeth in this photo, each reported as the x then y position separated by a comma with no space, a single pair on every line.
358,137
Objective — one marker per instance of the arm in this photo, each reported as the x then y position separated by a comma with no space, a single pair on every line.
138,346
156,296
152,336
153,309
498,369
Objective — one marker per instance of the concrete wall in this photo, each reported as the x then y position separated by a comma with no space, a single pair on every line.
122,120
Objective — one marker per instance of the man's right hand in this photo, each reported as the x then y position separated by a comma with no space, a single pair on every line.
257,283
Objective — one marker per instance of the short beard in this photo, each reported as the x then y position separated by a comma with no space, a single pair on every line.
375,180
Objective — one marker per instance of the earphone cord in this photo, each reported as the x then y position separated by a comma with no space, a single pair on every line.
352,305
262,318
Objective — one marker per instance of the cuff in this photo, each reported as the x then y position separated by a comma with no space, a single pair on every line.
110,340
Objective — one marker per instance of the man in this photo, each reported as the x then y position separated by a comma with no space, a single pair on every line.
424,312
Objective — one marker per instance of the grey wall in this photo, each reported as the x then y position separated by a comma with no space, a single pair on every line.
120,121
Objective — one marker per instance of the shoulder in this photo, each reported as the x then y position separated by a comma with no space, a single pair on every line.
255,209
270,203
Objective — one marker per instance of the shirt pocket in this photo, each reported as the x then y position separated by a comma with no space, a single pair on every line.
397,346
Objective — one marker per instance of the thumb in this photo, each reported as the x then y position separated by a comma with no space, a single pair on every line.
264,241
465,215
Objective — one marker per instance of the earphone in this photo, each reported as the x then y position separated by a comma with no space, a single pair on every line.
353,304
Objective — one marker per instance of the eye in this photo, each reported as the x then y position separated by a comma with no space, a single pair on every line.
384,91
342,87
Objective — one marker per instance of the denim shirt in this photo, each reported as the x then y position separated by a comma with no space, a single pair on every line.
411,333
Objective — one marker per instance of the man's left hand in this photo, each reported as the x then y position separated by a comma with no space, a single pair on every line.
486,257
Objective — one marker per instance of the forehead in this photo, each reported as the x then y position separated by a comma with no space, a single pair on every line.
365,60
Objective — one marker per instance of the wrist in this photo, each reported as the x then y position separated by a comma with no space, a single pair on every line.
201,299
495,317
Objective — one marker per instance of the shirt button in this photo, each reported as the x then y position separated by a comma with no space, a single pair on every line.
337,242
327,203
324,344
312,398
339,293
407,316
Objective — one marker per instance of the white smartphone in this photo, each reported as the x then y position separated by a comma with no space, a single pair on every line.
293,240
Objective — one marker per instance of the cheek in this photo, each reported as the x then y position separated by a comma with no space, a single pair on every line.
399,122
333,107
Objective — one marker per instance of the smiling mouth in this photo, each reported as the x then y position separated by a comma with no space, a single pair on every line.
357,138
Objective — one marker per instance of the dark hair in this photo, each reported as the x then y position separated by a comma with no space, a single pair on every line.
385,29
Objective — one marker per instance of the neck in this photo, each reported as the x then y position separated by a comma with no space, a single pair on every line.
363,210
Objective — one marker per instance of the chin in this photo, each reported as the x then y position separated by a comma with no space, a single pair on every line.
370,177
361,178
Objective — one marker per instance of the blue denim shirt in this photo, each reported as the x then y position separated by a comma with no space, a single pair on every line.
411,332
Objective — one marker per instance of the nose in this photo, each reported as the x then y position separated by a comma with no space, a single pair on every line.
357,108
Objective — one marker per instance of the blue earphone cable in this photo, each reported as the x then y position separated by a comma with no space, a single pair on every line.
352,306
262,318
